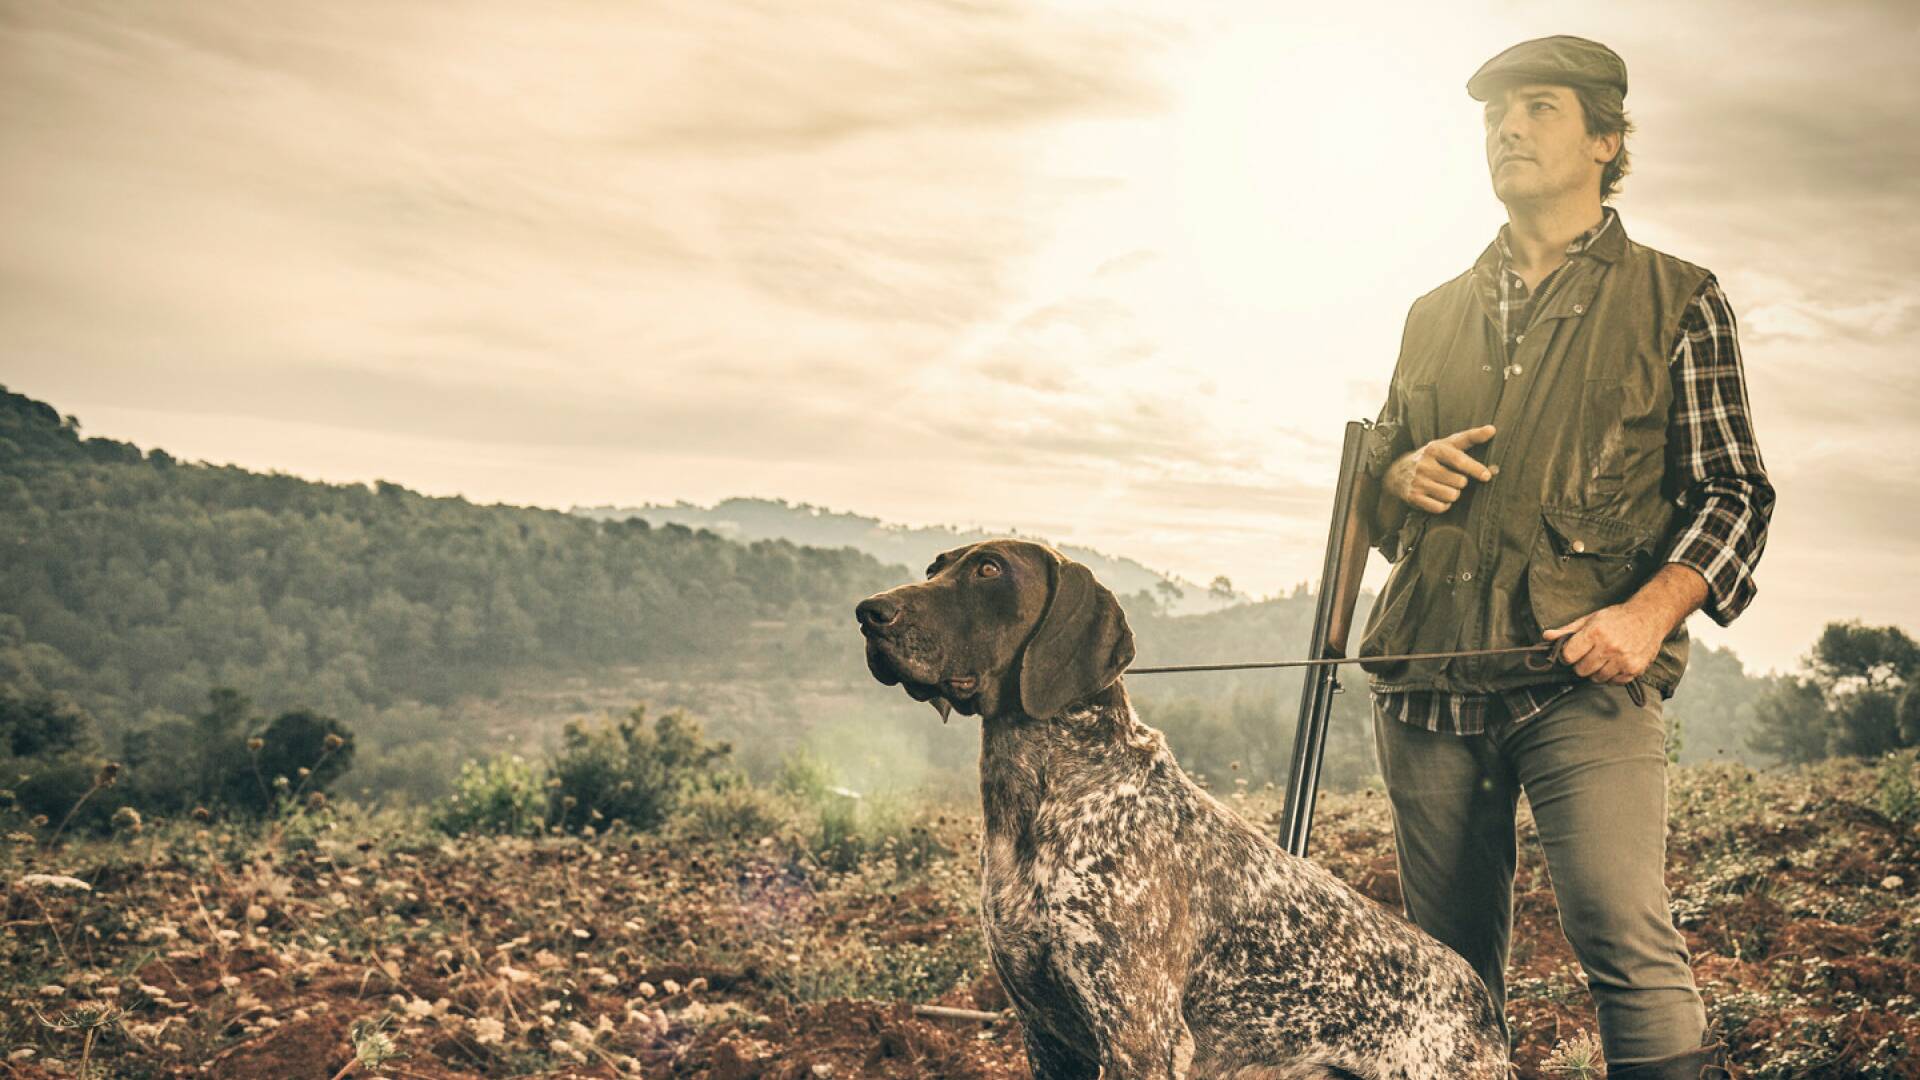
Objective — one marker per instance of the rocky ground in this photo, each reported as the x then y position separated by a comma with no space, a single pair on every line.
333,944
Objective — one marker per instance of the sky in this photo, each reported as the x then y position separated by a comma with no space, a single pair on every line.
1115,274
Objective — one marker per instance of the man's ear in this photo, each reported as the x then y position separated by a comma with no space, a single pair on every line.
1080,647
1608,149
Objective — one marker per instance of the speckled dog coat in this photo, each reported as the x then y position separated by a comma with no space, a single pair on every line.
1141,928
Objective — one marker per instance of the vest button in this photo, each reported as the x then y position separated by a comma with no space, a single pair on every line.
1579,545
1466,575
1579,309
1518,338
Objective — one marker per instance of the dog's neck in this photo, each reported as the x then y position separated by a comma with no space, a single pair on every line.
1018,754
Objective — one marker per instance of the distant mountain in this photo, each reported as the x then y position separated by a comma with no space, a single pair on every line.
747,520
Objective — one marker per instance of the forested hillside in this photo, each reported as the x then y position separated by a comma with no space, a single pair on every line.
133,586
748,520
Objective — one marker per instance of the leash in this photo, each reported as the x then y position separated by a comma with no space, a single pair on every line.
1550,648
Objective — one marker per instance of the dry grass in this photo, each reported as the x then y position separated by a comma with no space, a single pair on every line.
188,950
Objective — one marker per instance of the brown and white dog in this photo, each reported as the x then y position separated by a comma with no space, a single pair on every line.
1141,928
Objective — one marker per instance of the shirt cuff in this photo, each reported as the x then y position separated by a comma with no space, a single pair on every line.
1730,586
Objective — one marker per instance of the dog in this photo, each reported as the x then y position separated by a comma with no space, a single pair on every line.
1140,927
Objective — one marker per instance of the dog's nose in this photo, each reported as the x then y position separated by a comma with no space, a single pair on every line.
876,611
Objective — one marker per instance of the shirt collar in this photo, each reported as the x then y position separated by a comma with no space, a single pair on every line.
1579,245
1604,242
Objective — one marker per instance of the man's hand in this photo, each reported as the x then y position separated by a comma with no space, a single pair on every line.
1432,477
1615,644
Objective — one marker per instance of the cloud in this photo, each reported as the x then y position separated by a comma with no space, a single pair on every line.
935,260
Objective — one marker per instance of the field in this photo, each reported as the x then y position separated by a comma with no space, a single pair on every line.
331,943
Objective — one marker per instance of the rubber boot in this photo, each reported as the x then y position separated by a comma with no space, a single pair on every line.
1709,1062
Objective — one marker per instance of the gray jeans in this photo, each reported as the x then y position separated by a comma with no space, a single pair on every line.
1593,767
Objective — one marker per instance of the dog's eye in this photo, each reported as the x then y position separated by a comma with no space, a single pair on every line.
987,568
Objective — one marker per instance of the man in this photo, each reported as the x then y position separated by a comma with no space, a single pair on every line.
1565,454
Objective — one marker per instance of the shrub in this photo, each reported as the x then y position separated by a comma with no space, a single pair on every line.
852,830
804,774
1898,794
502,795
298,752
734,809
624,770
65,790
213,761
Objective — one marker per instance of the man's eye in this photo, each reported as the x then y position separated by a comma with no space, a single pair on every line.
1543,104
988,568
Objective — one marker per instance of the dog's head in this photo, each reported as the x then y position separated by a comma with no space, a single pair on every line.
998,626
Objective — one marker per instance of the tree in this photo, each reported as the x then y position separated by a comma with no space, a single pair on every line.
299,752
1851,656
39,724
1854,700
1221,589
1790,721
1169,593
1864,671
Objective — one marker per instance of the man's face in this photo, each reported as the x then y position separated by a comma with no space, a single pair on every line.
1538,148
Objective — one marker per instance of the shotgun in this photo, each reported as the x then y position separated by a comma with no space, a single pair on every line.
1347,545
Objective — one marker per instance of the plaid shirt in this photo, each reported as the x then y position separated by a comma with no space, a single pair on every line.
1722,489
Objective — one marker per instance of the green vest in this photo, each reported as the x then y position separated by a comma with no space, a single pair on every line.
1581,512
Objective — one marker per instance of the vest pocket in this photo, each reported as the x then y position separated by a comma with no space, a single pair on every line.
1384,618
1583,562
1407,537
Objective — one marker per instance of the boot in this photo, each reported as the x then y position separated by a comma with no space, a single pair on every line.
1709,1062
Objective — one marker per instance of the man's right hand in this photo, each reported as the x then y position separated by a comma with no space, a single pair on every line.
1432,477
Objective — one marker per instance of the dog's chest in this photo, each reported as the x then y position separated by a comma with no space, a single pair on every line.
1021,941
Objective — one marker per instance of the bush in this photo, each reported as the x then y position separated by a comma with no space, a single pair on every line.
502,795
1898,786
622,770
298,752
732,810
68,788
228,759
844,828
853,830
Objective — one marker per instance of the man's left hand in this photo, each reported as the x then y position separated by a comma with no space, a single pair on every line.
1615,644
1612,645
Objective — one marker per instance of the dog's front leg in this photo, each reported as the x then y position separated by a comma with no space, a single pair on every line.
1133,1011
1154,1046
1052,1059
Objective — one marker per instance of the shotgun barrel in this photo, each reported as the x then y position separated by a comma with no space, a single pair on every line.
1347,545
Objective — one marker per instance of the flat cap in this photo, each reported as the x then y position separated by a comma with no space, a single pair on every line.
1562,59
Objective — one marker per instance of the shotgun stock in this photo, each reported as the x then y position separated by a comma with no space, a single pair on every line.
1347,545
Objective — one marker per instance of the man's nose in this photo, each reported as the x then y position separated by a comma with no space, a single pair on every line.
1510,123
877,611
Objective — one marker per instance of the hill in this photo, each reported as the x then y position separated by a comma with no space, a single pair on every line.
748,520
438,630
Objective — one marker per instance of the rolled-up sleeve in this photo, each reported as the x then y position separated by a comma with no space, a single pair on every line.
1714,470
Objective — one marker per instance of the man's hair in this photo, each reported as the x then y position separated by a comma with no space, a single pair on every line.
1606,114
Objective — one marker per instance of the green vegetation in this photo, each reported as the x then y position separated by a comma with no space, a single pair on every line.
426,633
133,584
1860,697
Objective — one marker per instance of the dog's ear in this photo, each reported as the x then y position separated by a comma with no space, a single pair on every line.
1080,647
